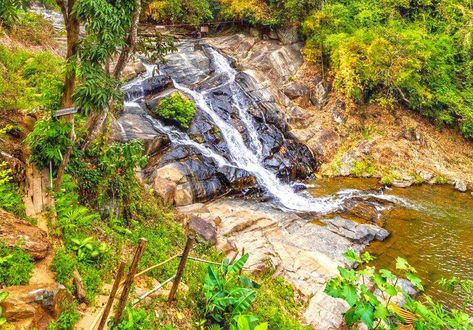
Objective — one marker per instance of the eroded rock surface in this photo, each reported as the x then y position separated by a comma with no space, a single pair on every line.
16,232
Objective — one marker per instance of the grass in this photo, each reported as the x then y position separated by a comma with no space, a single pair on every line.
16,266
362,168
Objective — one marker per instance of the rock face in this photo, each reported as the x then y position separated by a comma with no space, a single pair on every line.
34,306
306,254
14,232
199,163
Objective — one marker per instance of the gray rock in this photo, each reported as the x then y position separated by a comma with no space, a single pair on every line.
338,111
318,95
425,175
288,35
295,90
358,233
460,186
402,183
204,229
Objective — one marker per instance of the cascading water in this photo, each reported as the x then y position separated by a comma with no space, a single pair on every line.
246,156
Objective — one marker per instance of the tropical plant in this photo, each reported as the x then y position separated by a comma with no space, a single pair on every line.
48,142
176,108
3,297
374,298
10,10
87,249
228,294
134,319
10,196
16,266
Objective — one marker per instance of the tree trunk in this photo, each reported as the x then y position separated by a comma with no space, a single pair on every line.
73,30
130,41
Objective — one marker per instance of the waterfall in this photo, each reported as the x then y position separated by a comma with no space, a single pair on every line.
248,155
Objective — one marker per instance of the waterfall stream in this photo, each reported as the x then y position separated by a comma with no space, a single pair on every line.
243,155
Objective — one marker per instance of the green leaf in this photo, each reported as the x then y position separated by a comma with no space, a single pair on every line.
402,264
262,326
366,314
381,312
415,280
244,302
3,320
239,264
388,275
352,256
350,294
3,296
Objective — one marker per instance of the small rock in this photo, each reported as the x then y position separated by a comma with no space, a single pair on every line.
288,35
295,90
402,183
318,95
460,186
35,305
358,233
184,195
338,111
194,208
204,229
14,231
165,189
425,175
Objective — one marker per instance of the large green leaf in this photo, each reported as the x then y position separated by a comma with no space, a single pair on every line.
239,264
244,302
366,314
3,296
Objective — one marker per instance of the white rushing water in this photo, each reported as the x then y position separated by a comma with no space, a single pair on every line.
246,157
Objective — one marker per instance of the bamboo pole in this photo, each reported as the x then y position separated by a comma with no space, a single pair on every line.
143,296
111,298
129,281
180,268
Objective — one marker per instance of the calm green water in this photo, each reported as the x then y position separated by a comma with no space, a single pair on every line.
437,240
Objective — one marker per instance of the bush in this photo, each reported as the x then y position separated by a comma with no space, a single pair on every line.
67,320
11,199
48,142
30,80
416,53
16,266
63,265
176,108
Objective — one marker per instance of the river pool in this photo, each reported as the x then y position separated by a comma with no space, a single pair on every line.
437,239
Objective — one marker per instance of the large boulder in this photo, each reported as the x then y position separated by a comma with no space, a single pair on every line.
204,229
358,233
14,232
34,306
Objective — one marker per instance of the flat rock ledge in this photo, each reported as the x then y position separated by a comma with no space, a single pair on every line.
305,253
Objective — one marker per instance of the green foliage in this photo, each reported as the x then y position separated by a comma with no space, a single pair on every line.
15,266
418,53
118,185
3,297
248,322
377,311
63,265
10,196
67,320
177,109
48,142
362,168
88,250
30,80
193,12
135,319
228,294
10,11
106,24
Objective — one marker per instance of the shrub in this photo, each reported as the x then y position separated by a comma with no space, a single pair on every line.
377,311
67,320
63,265
362,168
10,196
177,109
30,80
48,142
417,53
16,266
135,319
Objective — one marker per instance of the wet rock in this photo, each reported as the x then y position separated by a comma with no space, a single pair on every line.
460,186
204,229
364,211
156,145
150,86
14,232
359,233
34,306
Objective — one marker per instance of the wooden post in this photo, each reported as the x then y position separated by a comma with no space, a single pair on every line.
180,268
111,298
129,281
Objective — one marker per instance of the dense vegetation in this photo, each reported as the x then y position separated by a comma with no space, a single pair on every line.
414,53
374,298
418,53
